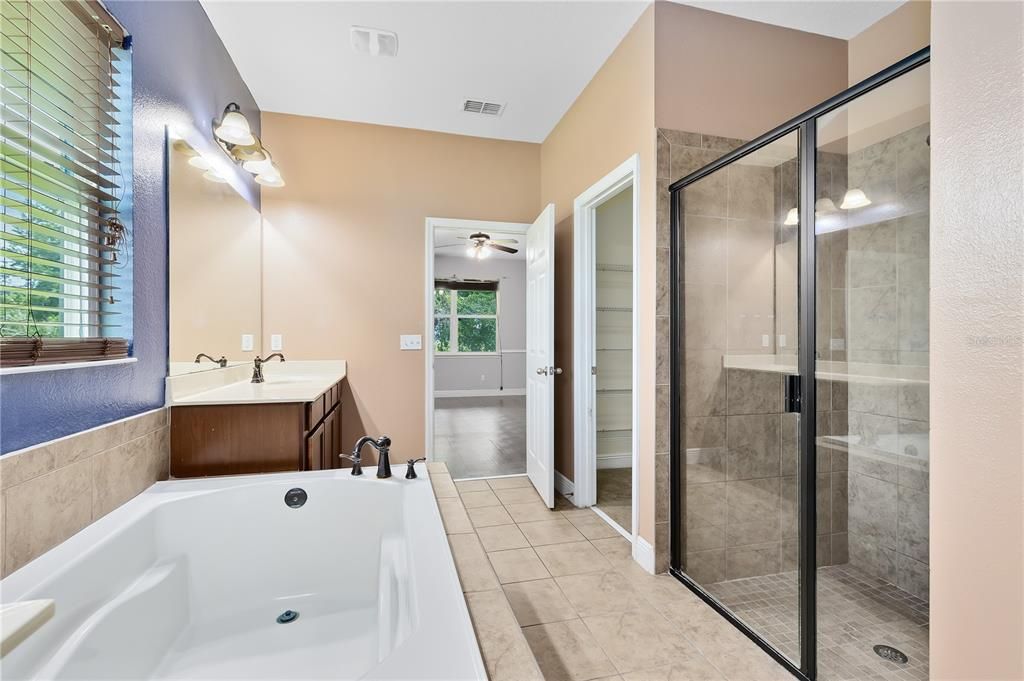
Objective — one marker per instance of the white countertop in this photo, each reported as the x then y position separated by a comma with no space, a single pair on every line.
289,381
854,372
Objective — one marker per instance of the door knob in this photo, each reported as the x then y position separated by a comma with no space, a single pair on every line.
542,371
556,370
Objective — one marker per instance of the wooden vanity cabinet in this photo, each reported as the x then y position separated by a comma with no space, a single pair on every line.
234,439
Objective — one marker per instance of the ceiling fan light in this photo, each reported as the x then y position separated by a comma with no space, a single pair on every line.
484,253
234,127
855,198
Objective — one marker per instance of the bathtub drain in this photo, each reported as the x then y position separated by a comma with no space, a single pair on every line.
287,616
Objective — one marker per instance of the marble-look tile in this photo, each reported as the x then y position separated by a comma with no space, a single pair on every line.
479,499
664,158
614,548
866,554
121,473
694,668
662,336
663,273
509,482
454,517
721,144
517,495
144,424
840,501
592,527
472,486
600,593
912,576
573,558
558,531
873,509
753,442
912,523
472,564
705,383
872,399
487,516
706,567
530,511
436,467
506,654
501,537
44,511
753,392
705,465
567,651
705,257
913,402
705,505
704,431
662,417
538,602
22,466
685,160
752,560
663,218
751,195
705,322
517,565
443,485
636,640
872,320
681,138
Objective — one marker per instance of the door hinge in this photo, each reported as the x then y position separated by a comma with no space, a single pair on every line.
792,398
593,371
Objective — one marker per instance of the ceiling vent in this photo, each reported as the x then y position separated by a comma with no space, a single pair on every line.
479,106
375,42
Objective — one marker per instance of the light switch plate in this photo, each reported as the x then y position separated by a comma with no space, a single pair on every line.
276,342
411,342
248,342
766,340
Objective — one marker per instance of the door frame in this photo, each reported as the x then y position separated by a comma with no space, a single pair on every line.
432,224
584,335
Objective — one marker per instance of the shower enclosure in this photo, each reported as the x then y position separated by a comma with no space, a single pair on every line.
799,388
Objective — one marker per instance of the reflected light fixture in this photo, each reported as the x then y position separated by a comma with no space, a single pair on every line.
824,207
792,217
234,127
855,198
270,180
213,176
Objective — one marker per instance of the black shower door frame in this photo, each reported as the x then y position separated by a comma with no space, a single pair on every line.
801,394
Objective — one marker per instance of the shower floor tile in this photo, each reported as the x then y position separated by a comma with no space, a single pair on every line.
855,612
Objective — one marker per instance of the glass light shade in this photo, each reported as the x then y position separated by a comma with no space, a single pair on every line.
484,253
792,217
234,129
855,198
824,206
270,180
213,176
264,167
199,162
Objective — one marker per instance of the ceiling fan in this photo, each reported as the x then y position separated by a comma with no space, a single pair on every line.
480,245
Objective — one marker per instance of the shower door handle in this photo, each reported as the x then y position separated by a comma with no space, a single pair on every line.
792,398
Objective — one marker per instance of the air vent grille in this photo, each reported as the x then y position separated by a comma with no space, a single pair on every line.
484,108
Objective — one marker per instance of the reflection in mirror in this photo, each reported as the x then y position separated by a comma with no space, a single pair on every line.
215,266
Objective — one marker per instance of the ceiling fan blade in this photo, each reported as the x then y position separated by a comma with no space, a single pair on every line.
504,241
450,246
499,247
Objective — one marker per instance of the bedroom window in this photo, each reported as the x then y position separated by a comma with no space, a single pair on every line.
466,317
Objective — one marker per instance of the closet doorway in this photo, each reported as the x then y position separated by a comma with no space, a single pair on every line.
605,388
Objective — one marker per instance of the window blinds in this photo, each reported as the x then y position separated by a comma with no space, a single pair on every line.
64,170
465,285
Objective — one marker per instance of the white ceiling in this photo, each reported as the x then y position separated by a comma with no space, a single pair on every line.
447,243
535,57
836,18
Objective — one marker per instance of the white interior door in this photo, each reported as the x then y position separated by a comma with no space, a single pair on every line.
540,354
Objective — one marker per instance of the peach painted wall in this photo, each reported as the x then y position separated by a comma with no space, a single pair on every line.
891,38
721,75
344,244
977,341
612,119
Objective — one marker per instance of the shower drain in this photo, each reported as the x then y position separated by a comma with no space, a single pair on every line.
891,654
287,616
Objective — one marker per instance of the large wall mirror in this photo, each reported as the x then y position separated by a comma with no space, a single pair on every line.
215,265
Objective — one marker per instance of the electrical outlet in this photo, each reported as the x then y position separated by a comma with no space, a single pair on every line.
782,340
837,344
410,342
248,342
276,342
765,340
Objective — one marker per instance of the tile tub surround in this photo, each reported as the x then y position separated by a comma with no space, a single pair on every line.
568,601
51,491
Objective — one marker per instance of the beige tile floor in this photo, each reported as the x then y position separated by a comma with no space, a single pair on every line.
556,595
615,495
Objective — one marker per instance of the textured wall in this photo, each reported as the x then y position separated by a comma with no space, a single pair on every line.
182,75
977,341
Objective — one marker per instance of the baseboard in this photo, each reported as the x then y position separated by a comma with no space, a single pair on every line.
563,485
508,392
643,553
615,461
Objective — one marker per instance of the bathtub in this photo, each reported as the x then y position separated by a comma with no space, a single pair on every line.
188,581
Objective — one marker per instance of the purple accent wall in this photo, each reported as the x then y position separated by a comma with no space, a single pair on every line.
182,76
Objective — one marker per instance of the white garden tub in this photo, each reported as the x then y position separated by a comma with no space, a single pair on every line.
187,580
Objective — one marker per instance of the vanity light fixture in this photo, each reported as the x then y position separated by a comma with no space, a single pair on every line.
792,217
824,207
855,198
213,176
234,127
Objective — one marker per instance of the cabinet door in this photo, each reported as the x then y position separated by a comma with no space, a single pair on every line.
337,436
330,442
315,449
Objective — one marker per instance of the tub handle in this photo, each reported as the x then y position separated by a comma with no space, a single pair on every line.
410,472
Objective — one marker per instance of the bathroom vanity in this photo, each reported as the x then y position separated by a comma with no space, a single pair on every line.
291,422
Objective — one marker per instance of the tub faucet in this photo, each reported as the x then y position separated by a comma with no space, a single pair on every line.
383,447
222,362
257,367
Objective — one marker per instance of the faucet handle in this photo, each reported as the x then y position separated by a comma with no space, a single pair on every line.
410,472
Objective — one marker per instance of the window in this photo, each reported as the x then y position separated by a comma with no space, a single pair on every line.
65,271
466,316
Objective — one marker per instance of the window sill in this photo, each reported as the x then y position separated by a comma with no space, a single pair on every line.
37,368
467,354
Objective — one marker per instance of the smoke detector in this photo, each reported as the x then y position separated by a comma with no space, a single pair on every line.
375,42
483,107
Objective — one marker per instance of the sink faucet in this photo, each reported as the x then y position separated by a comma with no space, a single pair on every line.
257,366
383,447
222,362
